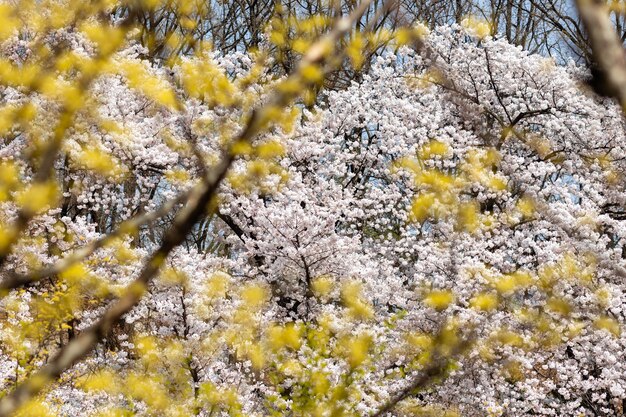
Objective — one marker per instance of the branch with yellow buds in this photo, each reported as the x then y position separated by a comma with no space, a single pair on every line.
200,196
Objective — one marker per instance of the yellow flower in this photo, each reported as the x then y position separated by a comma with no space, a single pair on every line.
468,217
322,286
254,295
359,348
357,307
37,197
285,336
476,27
526,206
608,324
312,73
439,300
217,285
422,206
484,302
433,148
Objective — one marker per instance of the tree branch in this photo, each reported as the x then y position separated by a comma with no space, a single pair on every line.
184,221
607,48
17,280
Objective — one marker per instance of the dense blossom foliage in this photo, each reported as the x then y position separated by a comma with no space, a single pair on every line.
446,233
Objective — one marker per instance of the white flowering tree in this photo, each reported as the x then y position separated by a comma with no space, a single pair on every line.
201,237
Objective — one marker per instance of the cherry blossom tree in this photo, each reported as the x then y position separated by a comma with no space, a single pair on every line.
202,235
